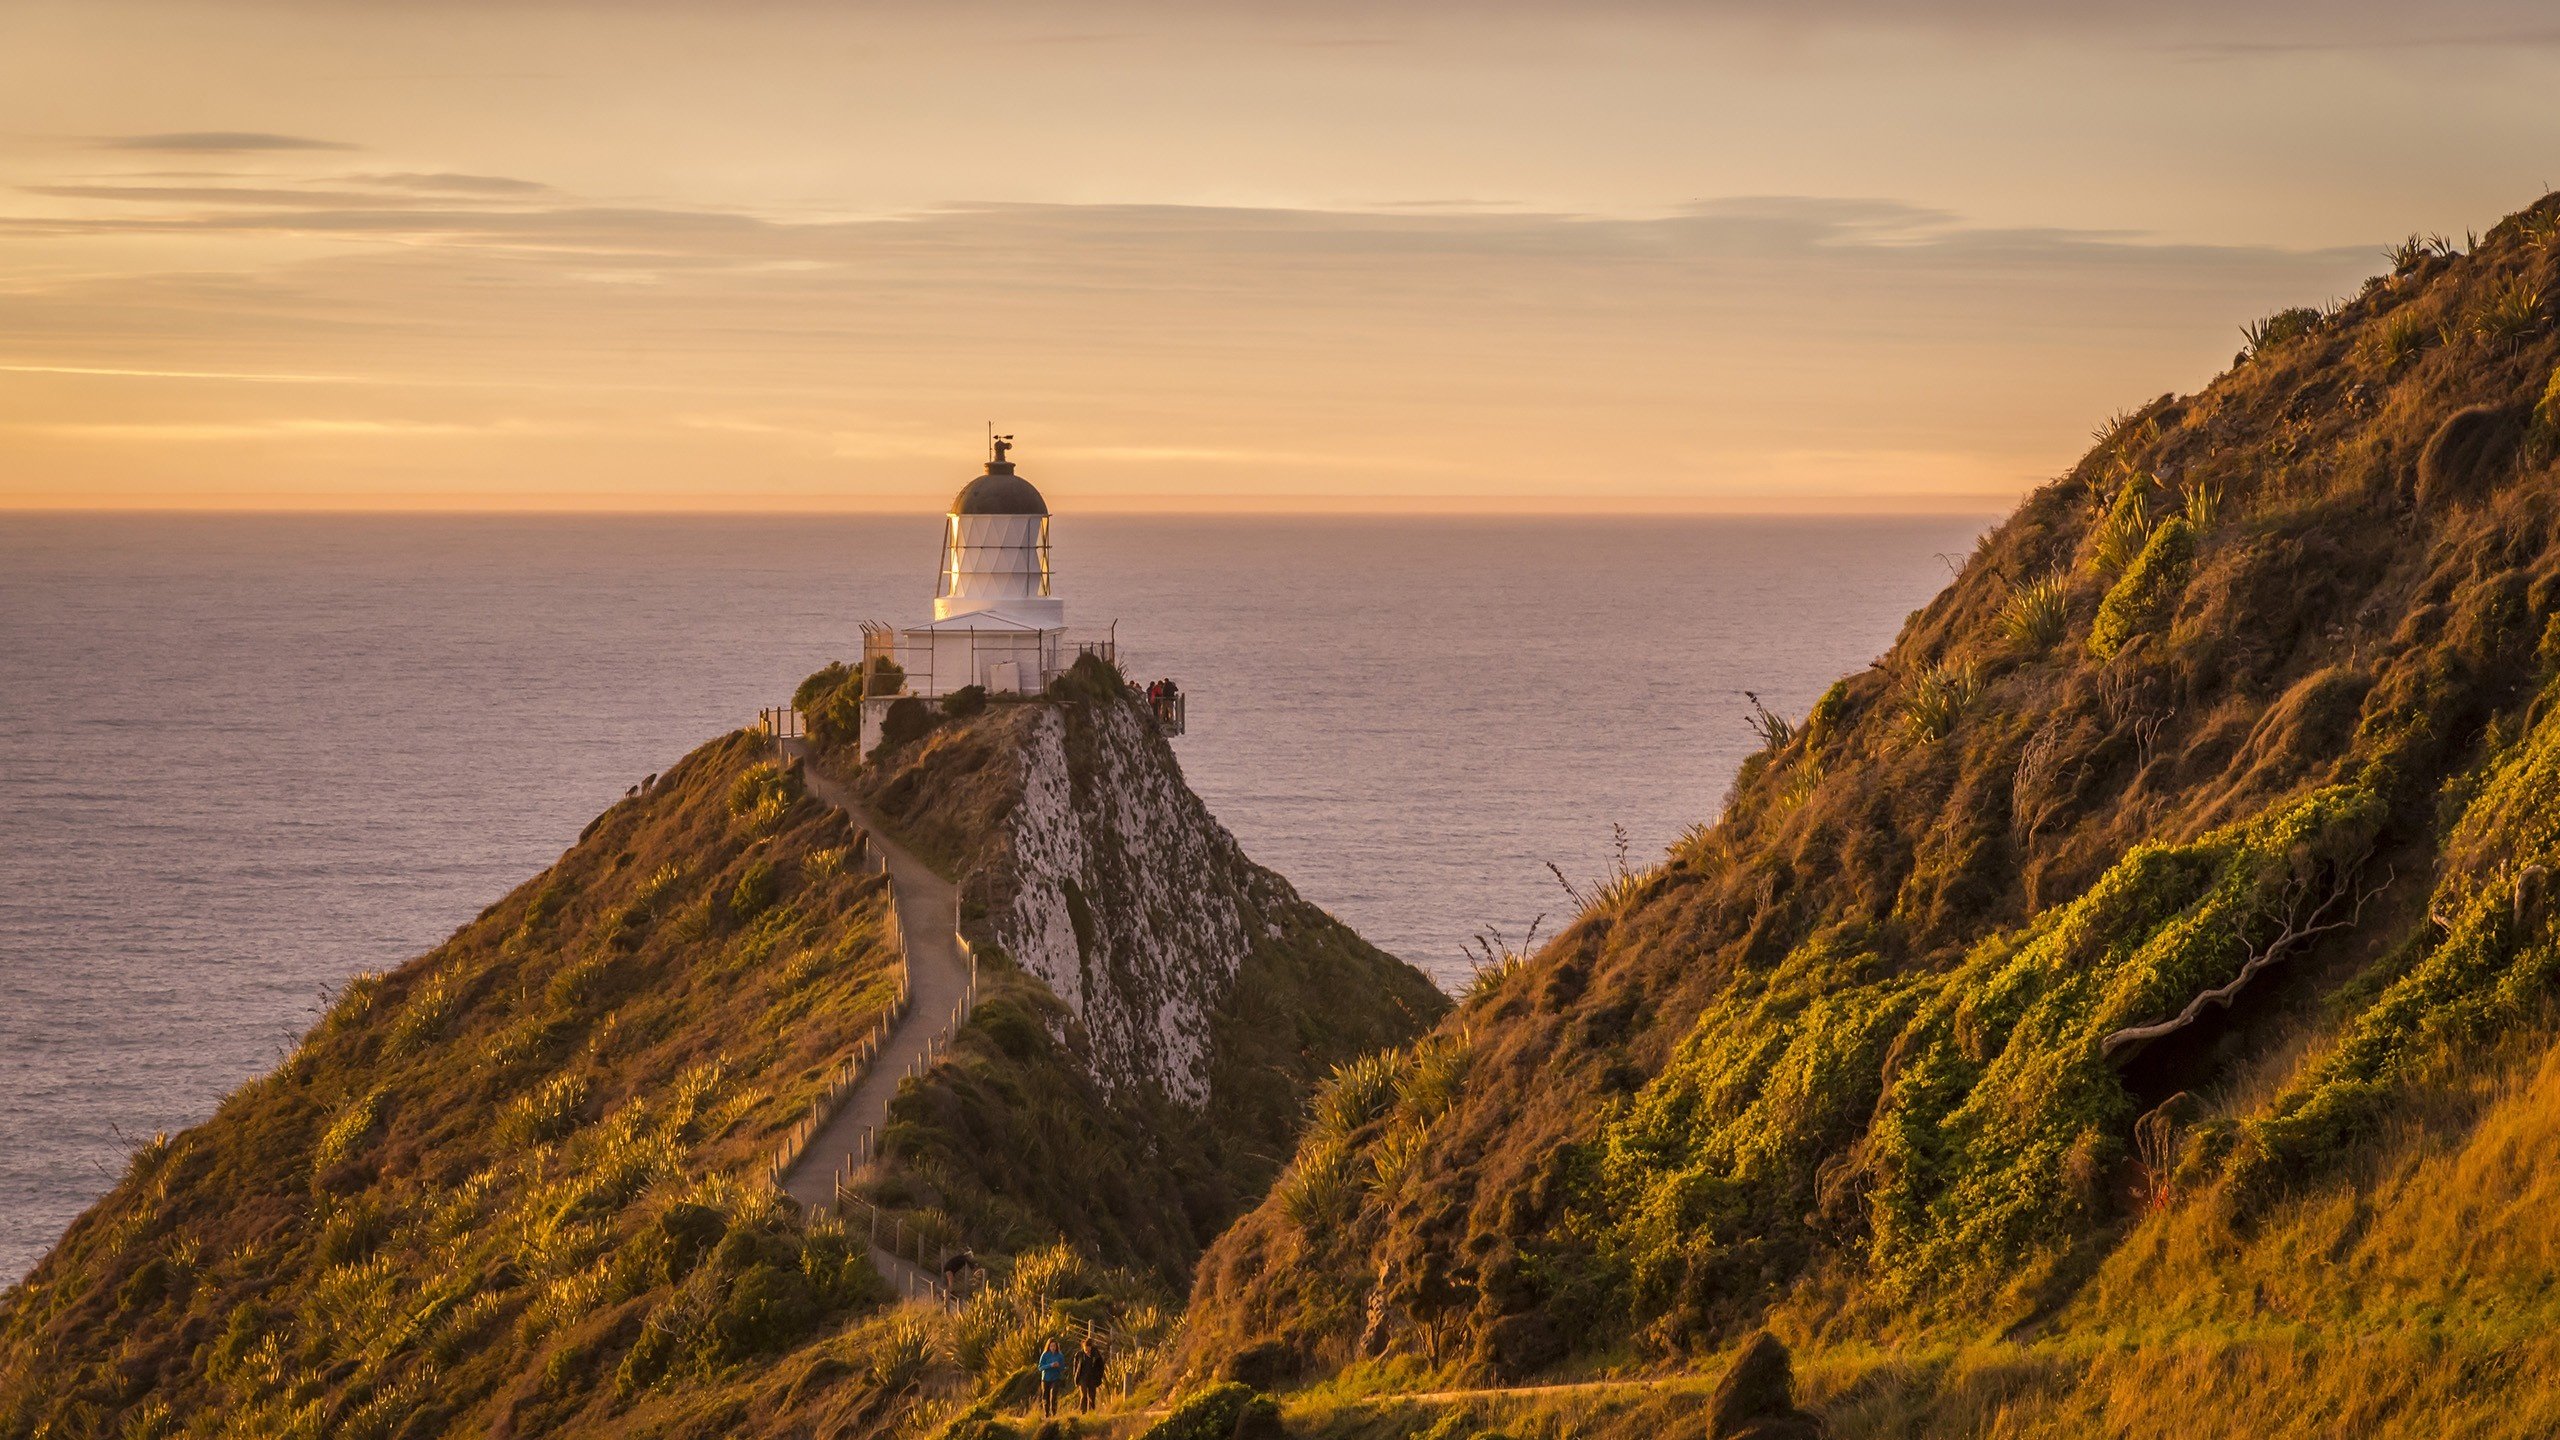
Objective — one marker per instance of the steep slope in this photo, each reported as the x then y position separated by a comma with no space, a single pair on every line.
1158,1005
513,1186
2199,827
518,1186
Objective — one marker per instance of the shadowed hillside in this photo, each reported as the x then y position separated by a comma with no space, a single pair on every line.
1159,1006
2103,961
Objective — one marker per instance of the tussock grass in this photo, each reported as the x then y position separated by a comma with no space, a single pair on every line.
1935,699
1357,1092
349,1129
2402,336
1316,1191
429,1010
2125,525
2511,312
2201,504
2036,613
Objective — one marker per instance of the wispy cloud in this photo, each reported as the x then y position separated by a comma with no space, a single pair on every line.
214,194
218,142
1751,348
449,184
287,428
131,373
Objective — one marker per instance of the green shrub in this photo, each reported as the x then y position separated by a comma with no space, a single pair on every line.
756,888
2265,334
762,1289
2542,436
964,702
2002,1119
819,686
762,790
685,1233
2149,590
908,721
1210,1414
836,720
2492,969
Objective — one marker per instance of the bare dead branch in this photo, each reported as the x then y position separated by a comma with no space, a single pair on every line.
2293,933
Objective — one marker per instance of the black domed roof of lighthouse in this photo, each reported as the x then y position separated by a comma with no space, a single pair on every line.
999,492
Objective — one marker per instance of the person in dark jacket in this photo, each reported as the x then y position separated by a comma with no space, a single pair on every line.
1091,1362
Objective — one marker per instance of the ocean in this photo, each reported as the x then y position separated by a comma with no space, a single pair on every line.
243,758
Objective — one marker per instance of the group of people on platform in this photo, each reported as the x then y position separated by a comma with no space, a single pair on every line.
1164,699
1085,1366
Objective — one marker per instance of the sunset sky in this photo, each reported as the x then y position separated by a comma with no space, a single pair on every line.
778,254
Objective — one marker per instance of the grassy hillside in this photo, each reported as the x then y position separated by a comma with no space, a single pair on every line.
515,1185
2052,972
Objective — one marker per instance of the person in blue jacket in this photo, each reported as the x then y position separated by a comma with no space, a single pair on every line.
1053,1375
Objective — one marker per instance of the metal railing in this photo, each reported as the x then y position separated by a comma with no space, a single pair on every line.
916,662
846,1204
891,1235
850,1070
785,724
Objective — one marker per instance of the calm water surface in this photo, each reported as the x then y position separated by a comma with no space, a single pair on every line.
244,758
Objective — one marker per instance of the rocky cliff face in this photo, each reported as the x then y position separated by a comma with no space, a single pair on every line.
1157,1006
1129,900
1087,860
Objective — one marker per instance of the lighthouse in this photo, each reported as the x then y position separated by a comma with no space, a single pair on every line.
995,549
998,622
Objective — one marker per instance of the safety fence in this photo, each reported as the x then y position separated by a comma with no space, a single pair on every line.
888,1233
785,724
849,1071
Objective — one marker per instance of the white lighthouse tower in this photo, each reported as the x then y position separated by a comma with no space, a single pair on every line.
998,623
995,550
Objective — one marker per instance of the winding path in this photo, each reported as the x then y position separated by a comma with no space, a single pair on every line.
937,983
